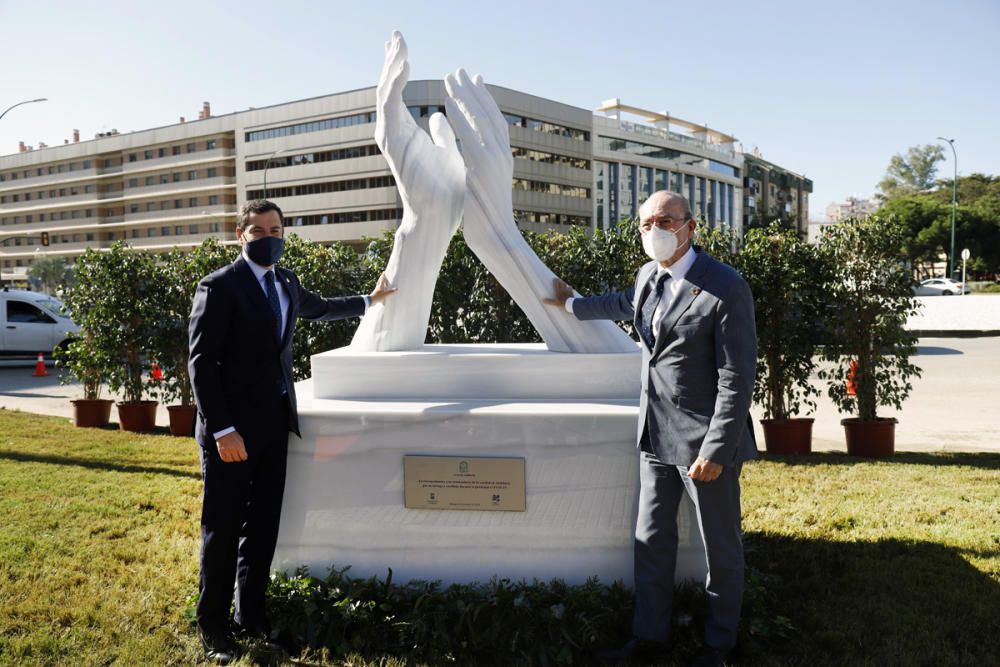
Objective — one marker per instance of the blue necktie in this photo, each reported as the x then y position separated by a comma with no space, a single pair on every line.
272,298
649,308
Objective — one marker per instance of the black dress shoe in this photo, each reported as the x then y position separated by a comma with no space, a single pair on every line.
219,647
710,657
635,650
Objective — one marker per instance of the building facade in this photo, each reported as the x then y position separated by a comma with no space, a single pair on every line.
180,184
774,193
854,207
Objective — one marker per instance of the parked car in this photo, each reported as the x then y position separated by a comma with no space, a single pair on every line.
940,287
31,322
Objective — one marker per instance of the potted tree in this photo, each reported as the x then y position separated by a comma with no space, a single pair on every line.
181,272
788,282
88,365
122,290
870,348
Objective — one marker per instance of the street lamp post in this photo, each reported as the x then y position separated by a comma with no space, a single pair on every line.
40,99
267,165
954,207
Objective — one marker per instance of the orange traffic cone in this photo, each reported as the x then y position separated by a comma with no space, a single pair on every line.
852,385
40,371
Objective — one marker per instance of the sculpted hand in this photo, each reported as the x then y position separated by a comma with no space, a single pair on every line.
562,291
492,233
430,176
382,290
704,470
231,448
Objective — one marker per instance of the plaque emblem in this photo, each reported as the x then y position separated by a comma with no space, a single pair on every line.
463,467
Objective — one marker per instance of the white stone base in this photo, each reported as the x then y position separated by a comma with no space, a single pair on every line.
344,495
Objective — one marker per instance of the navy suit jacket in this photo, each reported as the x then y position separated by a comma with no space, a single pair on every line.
697,381
237,363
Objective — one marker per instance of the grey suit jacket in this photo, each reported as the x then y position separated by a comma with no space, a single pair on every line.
697,381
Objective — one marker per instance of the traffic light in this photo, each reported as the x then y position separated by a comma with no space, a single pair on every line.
45,239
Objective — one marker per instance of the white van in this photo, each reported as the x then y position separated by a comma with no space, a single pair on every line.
31,322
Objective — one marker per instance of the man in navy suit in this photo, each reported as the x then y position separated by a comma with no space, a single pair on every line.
699,357
242,321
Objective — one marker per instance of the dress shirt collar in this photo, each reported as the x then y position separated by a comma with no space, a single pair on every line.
258,270
679,268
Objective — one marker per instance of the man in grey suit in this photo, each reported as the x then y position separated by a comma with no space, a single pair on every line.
699,355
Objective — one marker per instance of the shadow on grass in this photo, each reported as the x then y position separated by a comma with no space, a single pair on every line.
985,460
94,465
882,603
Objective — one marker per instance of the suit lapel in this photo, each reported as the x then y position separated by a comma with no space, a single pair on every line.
692,285
251,286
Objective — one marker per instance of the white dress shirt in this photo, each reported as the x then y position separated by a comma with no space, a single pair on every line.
671,286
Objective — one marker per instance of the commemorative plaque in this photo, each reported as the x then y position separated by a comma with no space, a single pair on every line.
464,483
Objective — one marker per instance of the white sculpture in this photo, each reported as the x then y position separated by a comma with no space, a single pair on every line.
430,176
433,182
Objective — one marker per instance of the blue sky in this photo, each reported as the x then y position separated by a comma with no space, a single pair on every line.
828,89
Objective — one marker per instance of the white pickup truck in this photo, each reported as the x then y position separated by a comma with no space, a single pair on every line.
31,322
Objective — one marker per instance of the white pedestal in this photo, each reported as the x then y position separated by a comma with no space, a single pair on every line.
344,495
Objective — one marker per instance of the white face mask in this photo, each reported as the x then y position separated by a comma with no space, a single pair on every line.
660,244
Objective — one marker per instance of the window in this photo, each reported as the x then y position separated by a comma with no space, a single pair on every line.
87,164
210,145
178,230
147,155
213,200
177,177
192,229
164,231
150,180
90,236
212,172
24,312
133,182
315,126
164,179
161,152
190,148
133,208
192,175
175,150
131,158
213,228
192,202
150,206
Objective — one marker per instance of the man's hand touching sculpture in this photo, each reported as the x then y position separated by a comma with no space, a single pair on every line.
430,176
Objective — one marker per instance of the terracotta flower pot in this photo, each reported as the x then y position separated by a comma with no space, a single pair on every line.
873,440
91,413
788,436
181,420
139,416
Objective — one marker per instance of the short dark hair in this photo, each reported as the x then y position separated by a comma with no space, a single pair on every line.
256,207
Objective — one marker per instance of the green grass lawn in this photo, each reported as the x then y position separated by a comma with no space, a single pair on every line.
879,563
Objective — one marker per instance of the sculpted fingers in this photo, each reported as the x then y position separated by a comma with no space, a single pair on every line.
491,111
441,133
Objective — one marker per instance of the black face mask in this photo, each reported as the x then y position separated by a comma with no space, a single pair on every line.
266,250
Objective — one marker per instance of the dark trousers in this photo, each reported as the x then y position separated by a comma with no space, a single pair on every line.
241,509
717,508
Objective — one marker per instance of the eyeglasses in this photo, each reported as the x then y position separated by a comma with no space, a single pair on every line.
664,222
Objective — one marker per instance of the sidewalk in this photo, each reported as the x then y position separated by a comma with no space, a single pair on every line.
952,407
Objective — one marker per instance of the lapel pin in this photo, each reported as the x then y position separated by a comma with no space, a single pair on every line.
695,291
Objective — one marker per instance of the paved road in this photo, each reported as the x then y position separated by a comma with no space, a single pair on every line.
953,407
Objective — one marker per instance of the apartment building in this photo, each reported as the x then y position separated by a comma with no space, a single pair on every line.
180,184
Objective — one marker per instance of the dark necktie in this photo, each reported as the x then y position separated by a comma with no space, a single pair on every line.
649,307
272,298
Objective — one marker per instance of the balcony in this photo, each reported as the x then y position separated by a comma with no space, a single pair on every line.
181,187
170,215
171,161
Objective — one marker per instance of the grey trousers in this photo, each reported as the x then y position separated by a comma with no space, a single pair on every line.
717,507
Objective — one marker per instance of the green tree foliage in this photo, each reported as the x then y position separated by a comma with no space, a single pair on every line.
911,172
870,300
50,273
116,300
789,282
926,221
